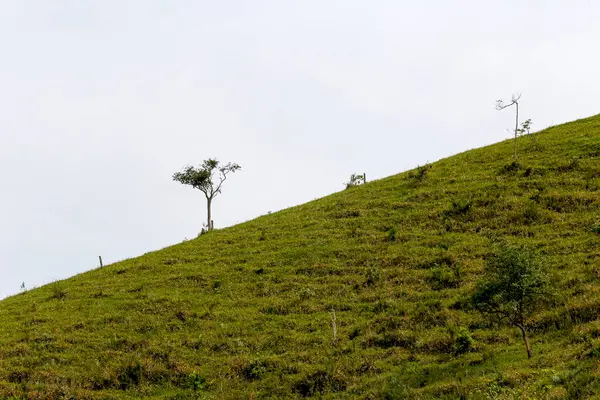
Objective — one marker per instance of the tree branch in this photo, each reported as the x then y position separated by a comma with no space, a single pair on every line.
222,179
514,100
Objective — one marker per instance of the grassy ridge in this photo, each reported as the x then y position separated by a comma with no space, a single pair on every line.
248,311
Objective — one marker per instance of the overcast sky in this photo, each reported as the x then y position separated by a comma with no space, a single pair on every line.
101,101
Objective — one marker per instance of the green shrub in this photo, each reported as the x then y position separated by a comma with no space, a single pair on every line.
18,376
402,339
262,236
372,276
511,168
418,174
346,214
463,342
320,382
428,314
354,333
445,277
253,370
582,383
397,389
129,376
306,293
531,213
391,234
565,203
58,291
196,381
458,208
441,261
570,166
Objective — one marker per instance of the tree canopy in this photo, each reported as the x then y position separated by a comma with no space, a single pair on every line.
208,178
514,286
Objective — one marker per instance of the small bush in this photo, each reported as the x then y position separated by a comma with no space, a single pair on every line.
354,333
18,376
306,293
511,168
418,174
196,381
458,208
397,389
320,382
531,214
565,203
391,234
130,376
262,235
276,309
463,342
429,314
372,276
252,370
58,292
442,261
570,166
347,214
596,228
402,339
445,277
594,353
582,384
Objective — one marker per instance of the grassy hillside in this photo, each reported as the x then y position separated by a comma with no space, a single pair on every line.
246,312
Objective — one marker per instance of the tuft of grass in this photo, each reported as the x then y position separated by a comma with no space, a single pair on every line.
418,174
458,208
58,291
391,234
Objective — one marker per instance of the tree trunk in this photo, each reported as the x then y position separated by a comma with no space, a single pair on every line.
516,128
526,340
209,220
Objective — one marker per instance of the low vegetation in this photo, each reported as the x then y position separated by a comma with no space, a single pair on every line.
364,294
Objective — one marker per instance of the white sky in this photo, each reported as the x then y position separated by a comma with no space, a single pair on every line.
102,101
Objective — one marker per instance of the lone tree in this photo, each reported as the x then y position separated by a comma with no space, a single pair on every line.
203,178
500,105
514,286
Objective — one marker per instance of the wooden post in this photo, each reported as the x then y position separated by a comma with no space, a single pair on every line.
100,258
365,177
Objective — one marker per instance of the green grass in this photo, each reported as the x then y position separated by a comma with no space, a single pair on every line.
246,312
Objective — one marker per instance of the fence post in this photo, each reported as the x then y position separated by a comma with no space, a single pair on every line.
100,258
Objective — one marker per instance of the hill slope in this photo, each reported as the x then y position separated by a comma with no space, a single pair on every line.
247,311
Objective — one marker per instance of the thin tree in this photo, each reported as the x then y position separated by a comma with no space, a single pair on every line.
514,102
515,285
526,128
208,178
